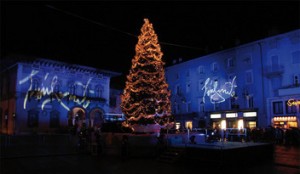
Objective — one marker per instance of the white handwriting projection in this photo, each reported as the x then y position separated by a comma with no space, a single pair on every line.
216,93
48,93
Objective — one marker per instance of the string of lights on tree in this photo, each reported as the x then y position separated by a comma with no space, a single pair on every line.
145,99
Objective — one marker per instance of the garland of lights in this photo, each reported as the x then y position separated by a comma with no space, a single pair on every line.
145,99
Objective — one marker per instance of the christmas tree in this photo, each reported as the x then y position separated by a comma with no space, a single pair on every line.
145,100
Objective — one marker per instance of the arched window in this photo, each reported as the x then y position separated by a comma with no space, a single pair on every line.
54,119
35,84
33,119
72,88
56,88
99,91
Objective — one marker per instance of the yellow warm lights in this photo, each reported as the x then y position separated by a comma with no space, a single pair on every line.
287,118
146,95
292,102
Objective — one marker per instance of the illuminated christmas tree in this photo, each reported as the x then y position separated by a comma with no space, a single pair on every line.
145,100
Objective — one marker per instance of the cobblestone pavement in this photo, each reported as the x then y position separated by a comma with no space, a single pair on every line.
64,158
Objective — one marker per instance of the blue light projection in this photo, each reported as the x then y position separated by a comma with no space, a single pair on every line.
218,94
47,94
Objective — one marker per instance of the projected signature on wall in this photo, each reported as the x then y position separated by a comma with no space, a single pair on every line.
217,93
46,93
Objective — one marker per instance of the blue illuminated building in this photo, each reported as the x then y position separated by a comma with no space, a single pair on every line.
254,85
47,96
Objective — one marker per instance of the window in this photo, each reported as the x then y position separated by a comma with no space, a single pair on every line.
230,77
72,89
177,76
275,63
248,60
201,69
296,80
35,84
230,63
201,105
214,67
176,108
87,92
251,102
188,73
277,107
177,90
99,91
200,84
188,87
33,119
290,109
113,101
249,77
54,119
189,125
56,88
296,57
188,107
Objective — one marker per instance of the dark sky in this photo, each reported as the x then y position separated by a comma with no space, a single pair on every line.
104,34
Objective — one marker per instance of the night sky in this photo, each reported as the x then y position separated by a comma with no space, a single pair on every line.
104,34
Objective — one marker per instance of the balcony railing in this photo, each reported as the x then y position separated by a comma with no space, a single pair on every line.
273,71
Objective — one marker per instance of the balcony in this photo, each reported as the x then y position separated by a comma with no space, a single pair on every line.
292,90
273,71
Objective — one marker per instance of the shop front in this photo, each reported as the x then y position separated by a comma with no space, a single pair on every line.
238,119
285,122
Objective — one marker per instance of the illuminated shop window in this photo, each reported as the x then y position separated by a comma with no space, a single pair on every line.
251,124
249,114
223,124
189,125
240,124
177,125
278,107
212,116
292,124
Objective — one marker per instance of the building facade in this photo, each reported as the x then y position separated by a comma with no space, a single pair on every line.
251,85
50,96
